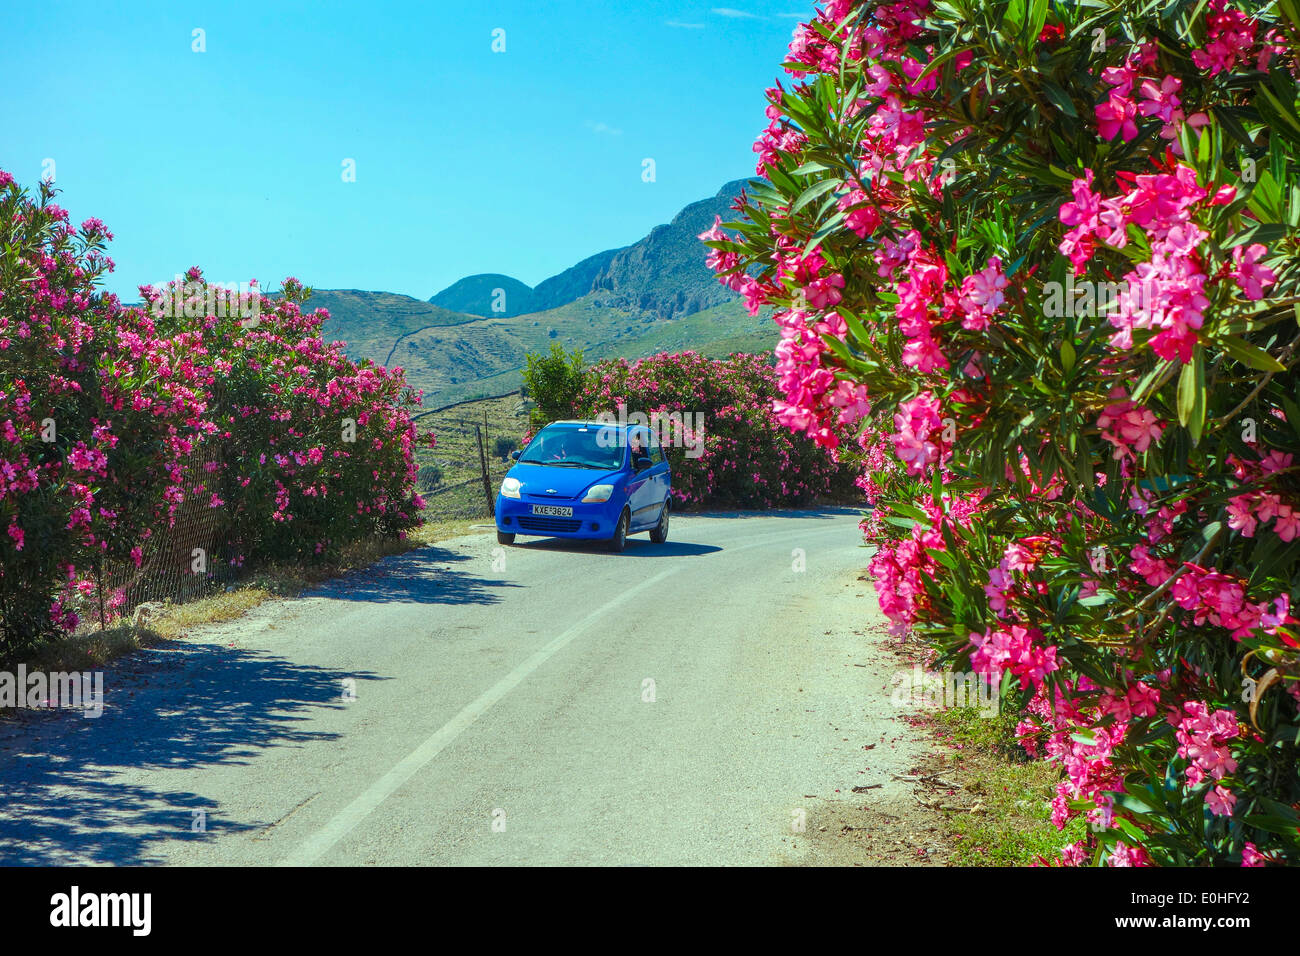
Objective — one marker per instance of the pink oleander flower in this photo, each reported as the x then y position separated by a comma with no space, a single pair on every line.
824,293
1082,213
1130,428
1124,855
1250,275
915,422
981,295
1230,36
1116,117
1220,801
1201,737
1160,99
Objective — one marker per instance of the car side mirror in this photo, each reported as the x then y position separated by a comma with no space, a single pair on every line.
641,463
514,455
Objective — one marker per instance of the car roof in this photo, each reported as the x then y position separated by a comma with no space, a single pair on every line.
596,424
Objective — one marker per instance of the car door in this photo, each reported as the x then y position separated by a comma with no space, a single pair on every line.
641,486
660,478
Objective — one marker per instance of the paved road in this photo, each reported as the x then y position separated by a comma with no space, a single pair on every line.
542,704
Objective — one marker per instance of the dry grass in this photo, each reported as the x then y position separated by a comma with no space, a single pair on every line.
90,650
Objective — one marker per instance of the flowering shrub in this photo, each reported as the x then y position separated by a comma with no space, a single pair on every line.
1044,258
105,409
745,459
95,415
316,450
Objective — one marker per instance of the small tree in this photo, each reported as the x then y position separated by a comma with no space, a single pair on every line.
553,381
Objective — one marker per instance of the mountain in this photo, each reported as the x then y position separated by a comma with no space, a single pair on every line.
662,275
573,283
652,296
488,294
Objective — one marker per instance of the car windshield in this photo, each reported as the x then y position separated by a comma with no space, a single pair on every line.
569,447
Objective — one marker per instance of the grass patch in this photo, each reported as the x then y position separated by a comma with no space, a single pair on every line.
90,650
1016,827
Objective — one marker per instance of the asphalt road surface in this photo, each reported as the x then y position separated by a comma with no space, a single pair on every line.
547,703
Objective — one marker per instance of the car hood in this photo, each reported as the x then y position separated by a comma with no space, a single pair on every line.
566,482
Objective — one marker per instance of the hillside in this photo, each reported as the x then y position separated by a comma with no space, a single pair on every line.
370,322
664,274
714,332
477,295
652,296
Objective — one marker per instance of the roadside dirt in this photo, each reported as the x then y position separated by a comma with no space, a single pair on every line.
898,820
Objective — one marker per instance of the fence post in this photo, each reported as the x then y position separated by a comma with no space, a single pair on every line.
99,589
482,464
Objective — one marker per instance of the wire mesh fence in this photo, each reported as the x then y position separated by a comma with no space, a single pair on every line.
191,556
452,476
182,560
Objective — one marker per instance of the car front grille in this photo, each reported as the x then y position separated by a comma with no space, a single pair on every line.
547,523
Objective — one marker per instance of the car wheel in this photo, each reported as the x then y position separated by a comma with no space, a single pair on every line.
504,537
659,534
619,541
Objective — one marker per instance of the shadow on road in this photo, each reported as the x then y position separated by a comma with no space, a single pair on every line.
178,707
426,576
636,547
829,511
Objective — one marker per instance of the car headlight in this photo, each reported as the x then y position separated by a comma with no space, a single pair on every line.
510,488
599,493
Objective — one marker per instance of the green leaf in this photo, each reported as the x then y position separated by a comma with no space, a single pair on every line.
1034,22
1067,356
1060,99
814,191
812,166
1287,113
1191,396
943,557
941,59
1251,355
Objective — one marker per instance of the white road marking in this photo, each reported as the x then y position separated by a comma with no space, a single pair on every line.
324,839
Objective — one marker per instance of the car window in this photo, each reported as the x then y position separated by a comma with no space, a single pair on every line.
639,441
568,446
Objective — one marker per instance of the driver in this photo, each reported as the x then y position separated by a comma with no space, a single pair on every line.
559,450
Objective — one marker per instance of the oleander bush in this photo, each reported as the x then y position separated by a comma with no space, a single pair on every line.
719,429
1043,258
113,418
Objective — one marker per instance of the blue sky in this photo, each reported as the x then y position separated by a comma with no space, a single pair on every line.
467,160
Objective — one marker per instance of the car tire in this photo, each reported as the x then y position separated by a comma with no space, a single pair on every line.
659,533
505,537
619,541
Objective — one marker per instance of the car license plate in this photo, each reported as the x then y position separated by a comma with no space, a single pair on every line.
554,510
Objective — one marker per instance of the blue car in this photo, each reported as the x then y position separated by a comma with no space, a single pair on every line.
589,480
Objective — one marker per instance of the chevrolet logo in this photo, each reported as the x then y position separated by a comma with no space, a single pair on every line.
551,491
